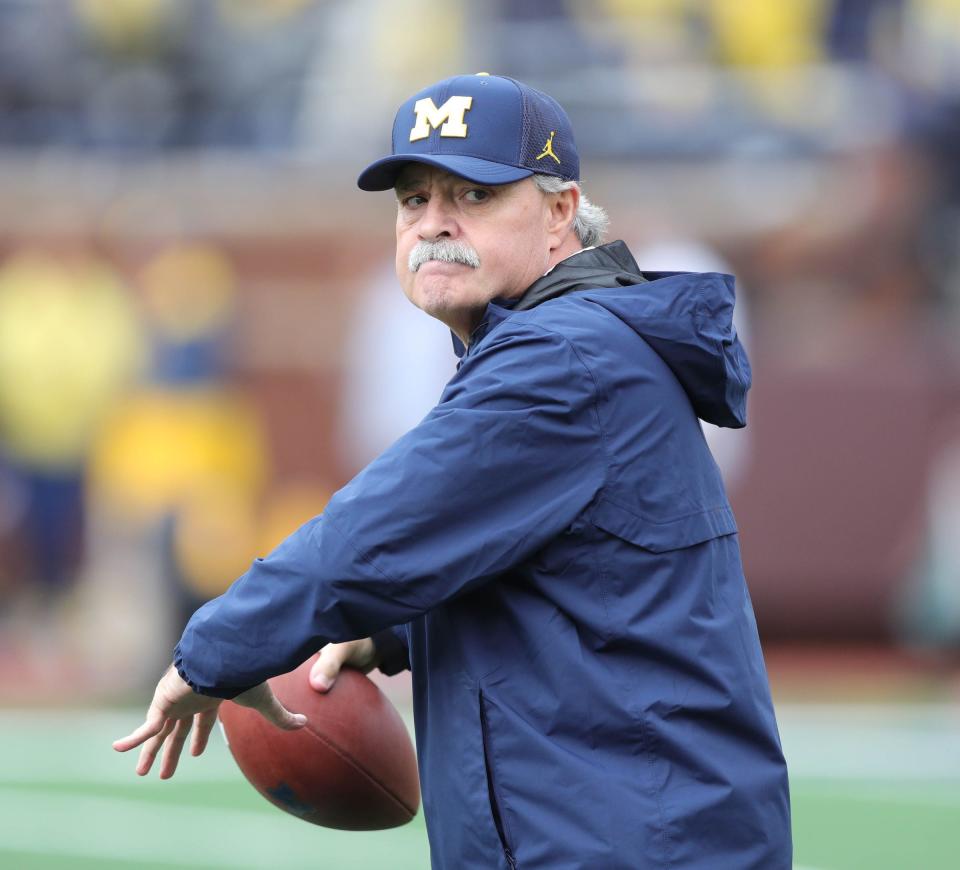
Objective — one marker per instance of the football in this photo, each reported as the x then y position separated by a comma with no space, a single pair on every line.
352,766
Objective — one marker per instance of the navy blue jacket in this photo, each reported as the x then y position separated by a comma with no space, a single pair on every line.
555,541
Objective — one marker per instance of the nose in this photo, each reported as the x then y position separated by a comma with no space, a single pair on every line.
437,220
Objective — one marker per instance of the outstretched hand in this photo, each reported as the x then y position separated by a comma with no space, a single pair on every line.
176,708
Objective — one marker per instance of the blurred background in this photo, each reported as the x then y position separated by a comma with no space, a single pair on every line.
201,338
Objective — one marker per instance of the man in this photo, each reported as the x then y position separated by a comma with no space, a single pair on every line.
550,549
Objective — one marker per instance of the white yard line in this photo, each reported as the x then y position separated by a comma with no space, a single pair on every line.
915,743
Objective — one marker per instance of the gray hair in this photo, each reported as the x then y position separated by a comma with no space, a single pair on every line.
591,221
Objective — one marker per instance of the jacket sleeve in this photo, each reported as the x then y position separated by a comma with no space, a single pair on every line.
391,644
506,461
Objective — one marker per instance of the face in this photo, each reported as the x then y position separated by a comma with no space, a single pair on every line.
511,228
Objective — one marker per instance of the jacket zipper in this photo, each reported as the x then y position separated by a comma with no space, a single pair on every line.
491,788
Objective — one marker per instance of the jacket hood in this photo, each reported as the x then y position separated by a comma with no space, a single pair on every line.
686,317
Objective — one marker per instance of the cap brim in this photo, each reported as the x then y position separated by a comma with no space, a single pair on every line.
382,174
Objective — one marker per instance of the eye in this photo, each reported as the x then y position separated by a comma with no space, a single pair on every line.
413,201
477,194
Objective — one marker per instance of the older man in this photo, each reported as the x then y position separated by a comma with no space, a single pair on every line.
550,550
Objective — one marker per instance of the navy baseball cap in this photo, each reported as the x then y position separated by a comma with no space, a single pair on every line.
488,129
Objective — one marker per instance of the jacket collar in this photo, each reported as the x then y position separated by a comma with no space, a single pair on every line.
603,266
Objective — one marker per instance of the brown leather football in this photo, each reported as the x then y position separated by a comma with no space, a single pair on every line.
352,766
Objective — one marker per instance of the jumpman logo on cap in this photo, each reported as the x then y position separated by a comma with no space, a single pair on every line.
548,148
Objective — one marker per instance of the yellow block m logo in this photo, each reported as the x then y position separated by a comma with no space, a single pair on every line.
450,114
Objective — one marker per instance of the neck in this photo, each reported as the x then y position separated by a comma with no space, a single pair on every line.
569,247
464,329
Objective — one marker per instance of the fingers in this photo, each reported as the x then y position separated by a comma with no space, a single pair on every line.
171,736
203,726
168,723
359,654
327,667
173,699
152,726
262,699
173,746
150,749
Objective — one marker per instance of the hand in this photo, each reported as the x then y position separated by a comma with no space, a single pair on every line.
176,708
359,654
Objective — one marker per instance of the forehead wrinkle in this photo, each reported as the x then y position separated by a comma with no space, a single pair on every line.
415,175
426,175
405,184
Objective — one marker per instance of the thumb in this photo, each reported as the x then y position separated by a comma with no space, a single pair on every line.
262,699
327,667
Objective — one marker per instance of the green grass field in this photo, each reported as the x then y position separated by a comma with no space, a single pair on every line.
874,786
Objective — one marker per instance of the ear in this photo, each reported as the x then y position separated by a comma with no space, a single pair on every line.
561,211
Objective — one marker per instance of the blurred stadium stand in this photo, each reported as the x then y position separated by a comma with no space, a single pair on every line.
811,143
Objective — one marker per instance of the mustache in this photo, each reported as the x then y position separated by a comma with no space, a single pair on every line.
444,250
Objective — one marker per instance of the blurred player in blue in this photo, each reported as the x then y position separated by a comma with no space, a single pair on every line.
550,551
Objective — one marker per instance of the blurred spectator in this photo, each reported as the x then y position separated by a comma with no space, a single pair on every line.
359,64
757,33
244,71
182,463
69,346
857,30
149,74
37,102
130,60
521,22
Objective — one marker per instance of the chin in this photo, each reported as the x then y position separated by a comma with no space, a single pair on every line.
433,300
438,293
449,308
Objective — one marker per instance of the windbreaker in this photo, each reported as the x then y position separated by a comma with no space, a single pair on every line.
553,547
